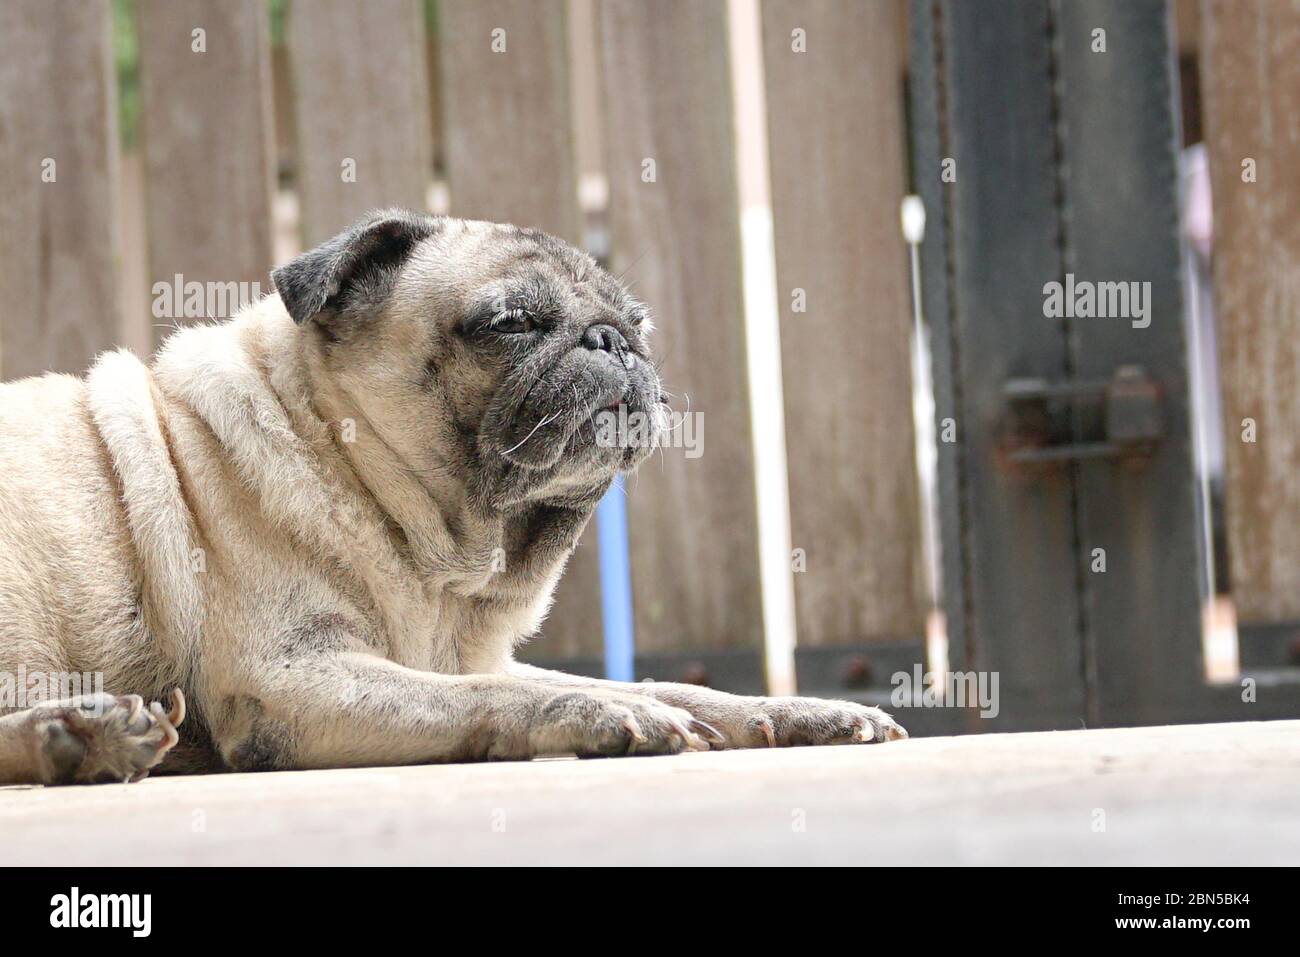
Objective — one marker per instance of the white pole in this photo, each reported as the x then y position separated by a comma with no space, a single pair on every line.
763,345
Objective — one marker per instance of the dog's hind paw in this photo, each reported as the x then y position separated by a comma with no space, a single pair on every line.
101,738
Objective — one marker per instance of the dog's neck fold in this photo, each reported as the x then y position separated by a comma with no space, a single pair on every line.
259,385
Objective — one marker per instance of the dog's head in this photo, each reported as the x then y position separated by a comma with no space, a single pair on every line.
497,357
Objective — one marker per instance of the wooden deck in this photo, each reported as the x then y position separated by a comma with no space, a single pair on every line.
1199,794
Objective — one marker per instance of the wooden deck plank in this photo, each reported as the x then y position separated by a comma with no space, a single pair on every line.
1196,794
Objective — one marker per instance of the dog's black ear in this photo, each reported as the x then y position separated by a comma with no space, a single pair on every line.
359,259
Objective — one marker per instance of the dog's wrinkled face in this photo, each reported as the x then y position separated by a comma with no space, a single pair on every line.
497,358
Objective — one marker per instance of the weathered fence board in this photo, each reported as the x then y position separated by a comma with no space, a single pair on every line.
58,163
1251,82
208,141
509,156
675,232
586,86
361,96
506,113
835,129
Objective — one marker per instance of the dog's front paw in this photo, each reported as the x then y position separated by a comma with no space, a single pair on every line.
101,738
598,724
794,722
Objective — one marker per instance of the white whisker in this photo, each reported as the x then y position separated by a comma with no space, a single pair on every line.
549,418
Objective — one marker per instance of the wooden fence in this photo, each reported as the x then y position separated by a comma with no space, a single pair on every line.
356,89
1251,74
508,105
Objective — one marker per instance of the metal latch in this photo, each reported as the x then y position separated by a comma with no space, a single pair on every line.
1118,418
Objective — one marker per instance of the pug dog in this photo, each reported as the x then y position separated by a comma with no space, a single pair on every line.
321,528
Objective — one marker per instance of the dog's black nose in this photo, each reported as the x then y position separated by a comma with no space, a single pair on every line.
602,337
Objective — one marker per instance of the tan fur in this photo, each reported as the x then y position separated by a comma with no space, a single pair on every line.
204,523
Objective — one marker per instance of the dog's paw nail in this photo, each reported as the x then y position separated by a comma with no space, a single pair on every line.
133,703
177,713
170,737
708,732
634,730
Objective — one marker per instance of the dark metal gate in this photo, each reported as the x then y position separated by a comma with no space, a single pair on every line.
1045,139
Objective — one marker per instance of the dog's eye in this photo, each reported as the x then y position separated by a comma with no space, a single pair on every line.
516,320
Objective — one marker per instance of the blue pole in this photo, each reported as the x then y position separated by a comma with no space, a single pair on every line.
615,584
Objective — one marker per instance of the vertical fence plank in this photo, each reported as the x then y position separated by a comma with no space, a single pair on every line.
507,139
362,99
58,163
835,127
506,113
208,141
585,84
692,519
1251,82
